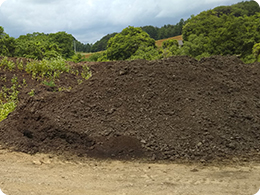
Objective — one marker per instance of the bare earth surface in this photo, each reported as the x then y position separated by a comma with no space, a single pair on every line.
185,127
41,174
176,109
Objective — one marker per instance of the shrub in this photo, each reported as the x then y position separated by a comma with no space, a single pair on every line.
147,53
125,44
169,43
94,57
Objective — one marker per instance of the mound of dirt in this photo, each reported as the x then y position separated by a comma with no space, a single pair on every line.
177,109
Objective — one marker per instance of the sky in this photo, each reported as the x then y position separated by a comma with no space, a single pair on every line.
89,20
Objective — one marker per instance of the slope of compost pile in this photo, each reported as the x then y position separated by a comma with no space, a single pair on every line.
177,109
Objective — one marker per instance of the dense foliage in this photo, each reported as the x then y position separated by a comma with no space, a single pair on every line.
125,44
37,45
7,44
225,30
165,31
81,47
248,8
156,33
102,43
40,45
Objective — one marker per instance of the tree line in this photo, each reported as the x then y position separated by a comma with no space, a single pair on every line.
240,9
156,33
225,30
37,45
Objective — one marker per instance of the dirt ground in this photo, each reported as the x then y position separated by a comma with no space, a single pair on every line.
176,109
41,174
172,126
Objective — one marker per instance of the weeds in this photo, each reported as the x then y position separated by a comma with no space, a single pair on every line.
24,83
3,78
6,64
32,93
8,98
86,73
79,81
47,68
64,89
6,108
46,71
50,83
20,65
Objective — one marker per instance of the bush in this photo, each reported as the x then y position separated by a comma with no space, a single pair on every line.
125,44
147,53
77,58
170,43
94,57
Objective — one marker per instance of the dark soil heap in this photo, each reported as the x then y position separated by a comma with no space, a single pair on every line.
177,109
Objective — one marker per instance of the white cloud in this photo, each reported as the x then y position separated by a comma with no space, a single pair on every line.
1,2
89,20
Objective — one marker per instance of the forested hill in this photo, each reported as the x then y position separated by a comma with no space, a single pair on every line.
224,30
247,8
156,33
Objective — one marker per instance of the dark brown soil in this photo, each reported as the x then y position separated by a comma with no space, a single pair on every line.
174,109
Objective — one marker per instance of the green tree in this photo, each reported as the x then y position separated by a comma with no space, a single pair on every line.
226,34
7,44
248,8
169,43
101,45
125,44
152,31
36,46
196,46
65,43
40,45
147,53
81,47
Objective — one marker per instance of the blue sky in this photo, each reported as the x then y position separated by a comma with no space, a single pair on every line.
90,20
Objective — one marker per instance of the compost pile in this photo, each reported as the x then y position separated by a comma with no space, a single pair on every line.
172,109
